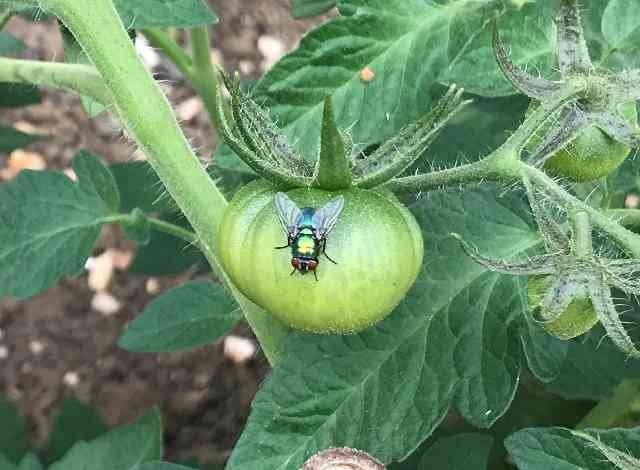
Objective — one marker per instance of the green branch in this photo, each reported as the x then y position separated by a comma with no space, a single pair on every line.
161,40
80,79
147,115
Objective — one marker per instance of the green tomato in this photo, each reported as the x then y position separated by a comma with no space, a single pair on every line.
592,154
576,320
376,242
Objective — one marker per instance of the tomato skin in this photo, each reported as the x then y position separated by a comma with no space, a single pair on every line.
592,154
377,244
576,320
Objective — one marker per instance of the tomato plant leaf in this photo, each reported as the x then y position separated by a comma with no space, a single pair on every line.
307,8
564,449
593,367
139,186
11,139
531,36
187,317
545,354
49,224
94,178
30,462
10,45
15,95
75,422
13,439
5,464
621,30
393,40
446,453
164,13
123,448
452,341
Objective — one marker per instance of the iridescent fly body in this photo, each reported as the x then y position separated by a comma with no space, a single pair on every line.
307,231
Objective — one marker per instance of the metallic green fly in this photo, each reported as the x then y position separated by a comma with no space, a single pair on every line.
307,231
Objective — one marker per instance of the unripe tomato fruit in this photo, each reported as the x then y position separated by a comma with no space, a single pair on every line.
376,242
592,154
576,320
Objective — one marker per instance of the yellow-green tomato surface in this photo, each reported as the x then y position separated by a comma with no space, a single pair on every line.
576,320
592,154
376,242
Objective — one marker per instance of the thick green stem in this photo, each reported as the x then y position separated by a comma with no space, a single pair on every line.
608,412
81,79
581,228
147,115
204,76
496,167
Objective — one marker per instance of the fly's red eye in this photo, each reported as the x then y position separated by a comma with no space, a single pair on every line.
295,262
312,265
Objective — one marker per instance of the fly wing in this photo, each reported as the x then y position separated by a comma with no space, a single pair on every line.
289,214
325,218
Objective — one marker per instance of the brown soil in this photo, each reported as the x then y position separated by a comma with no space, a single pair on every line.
56,337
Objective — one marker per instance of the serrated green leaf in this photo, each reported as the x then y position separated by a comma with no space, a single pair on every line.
404,43
30,462
49,224
621,30
139,186
123,448
450,342
15,95
307,8
95,178
10,45
529,32
187,317
164,13
11,139
461,452
562,449
13,439
74,422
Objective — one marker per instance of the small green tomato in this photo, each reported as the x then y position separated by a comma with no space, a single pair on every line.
576,320
376,244
591,155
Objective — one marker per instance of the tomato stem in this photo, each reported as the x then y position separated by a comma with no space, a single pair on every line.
80,79
147,115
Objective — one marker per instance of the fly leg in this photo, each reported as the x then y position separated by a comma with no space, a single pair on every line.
315,274
289,240
324,251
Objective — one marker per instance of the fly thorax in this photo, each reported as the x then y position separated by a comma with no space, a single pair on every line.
306,243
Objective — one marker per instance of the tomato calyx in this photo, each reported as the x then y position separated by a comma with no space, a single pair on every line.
574,278
255,138
598,106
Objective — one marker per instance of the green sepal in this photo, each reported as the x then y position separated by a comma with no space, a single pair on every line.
333,170
137,226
